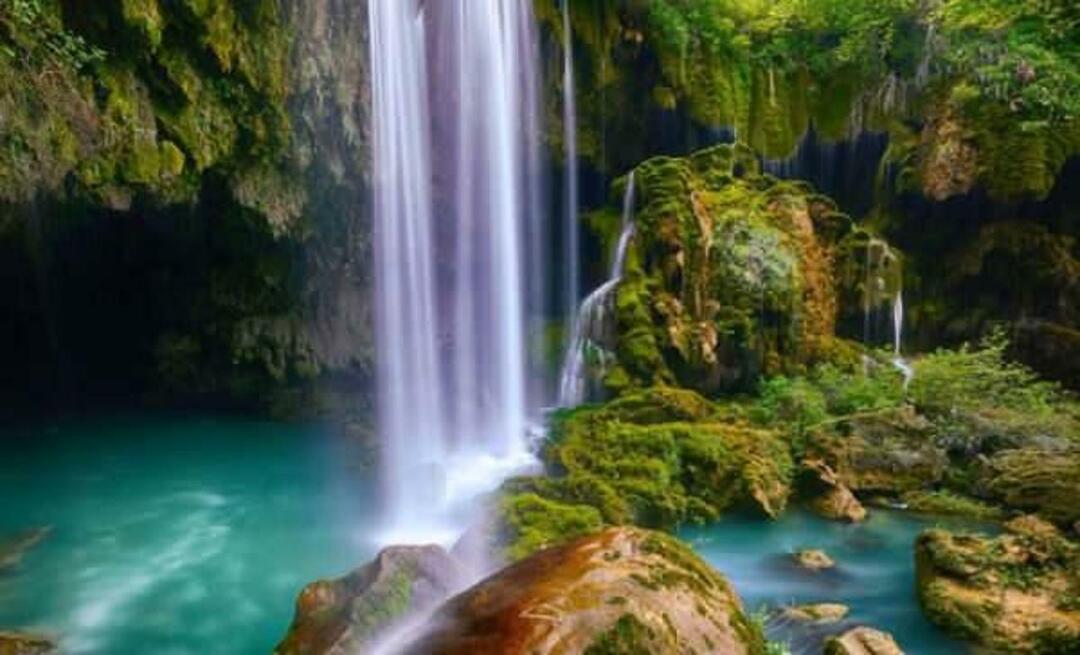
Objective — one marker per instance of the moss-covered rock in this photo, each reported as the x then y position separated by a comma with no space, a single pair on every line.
1018,592
1045,481
655,458
730,275
18,643
828,496
623,590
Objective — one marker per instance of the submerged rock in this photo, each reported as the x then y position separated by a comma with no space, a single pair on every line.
816,612
813,560
347,614
17,643
863,641
13,549
622,590
1016,592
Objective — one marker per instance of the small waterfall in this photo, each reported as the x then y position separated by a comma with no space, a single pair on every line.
572,236
593,325
898,361
453,207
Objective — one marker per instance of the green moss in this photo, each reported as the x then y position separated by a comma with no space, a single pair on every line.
532,522
945,503
628,636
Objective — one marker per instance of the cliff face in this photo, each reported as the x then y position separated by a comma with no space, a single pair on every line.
183,197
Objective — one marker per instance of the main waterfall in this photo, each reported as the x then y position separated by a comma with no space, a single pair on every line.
456,218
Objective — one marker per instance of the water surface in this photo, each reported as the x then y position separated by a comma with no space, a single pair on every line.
875,573
176,535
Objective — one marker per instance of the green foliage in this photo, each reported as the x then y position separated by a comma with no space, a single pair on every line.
974,378
947,503
36,31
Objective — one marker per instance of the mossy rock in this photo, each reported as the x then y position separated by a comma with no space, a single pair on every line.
727,277
1019,592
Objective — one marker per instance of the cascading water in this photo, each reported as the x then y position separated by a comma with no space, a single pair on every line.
571,236
592,324
454,201
898,361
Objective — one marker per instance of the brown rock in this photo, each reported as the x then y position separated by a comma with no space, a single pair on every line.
623,588
863,641
817,612
830,498
813,560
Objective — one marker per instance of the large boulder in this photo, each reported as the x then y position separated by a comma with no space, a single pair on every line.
348,614
1041,480
1017,592
622,590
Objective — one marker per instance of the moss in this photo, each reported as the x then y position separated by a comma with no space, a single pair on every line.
945,503
727,278
637,460
629,636
532,523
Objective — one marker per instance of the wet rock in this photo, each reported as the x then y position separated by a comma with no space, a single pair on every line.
863,641
829,497
14,548
17,643
813,560
1045,481
347,614
816,612
1016,592
621,590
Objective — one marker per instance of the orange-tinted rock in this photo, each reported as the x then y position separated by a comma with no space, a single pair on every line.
621,588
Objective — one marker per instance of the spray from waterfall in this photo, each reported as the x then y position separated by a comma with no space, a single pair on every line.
453,206
593,323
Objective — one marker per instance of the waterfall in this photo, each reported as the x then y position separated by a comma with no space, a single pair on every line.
571,237
455,198
593,324
898,361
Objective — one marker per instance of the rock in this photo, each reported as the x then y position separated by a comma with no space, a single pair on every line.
621,590
730,275
888,452
1015,593
13,549
1046,481
816,612
17,643
829,497
813,560
863,641
343,615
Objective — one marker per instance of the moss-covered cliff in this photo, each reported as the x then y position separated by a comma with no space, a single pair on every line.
183,194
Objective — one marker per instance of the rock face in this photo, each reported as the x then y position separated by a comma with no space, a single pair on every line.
17,643
620,591
863,641
345,615
829,497
1016,592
